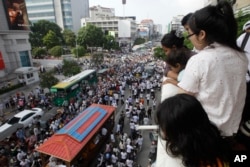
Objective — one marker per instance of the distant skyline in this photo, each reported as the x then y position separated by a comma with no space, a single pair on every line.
160,11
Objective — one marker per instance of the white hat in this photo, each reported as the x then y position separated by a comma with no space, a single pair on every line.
246,25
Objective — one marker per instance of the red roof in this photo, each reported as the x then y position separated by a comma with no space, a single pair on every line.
69,141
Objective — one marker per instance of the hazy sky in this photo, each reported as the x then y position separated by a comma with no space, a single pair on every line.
160,11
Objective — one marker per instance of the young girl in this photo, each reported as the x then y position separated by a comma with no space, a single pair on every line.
177,60
184,125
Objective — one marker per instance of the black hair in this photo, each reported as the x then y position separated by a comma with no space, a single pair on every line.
218,22
189,133
185,19
180,56
170,40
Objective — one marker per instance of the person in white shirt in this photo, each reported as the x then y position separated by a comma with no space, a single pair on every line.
123,156
129,162
240,39
20,155
139,142
129,149
216,75
243,41
104,131
112,137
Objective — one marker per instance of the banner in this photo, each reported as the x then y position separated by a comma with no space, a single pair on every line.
2,65
17,15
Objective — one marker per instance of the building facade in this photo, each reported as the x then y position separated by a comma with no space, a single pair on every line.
124,29
15,49
96,12
59,12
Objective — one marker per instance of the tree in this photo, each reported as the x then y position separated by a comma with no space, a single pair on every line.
70,68
69,38
187,42
90,36
40,29
109,42
97,58
47,79
159,53
50,40
38,52
139,41
79,51
241,20
56,51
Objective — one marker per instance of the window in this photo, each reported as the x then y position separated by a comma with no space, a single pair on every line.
27,116
25,59
29,75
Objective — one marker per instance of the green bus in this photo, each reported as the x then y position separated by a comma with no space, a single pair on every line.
69,88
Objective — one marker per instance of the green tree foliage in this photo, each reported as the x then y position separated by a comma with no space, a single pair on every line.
56,51
40,29
159,53
109,42
69,38
80,51
90,36
38,52
241,20
97,58
47,79
187,42
50,40
139,41
70,68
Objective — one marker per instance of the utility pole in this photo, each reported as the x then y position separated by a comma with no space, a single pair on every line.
124,3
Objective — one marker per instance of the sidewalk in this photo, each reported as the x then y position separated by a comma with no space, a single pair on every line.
25,89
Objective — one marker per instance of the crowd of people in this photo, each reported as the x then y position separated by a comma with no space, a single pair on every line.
213,82
199,122
123,87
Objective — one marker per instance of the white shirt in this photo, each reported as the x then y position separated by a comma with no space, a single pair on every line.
129,148
216,75
246,49
140,141
129,163
123,155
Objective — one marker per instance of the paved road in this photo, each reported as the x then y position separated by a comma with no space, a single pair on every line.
142,156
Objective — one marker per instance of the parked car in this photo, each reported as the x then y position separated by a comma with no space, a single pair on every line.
24,118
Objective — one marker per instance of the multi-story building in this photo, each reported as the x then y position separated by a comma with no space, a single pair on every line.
59,11
14,38
123,28
96,12
176,23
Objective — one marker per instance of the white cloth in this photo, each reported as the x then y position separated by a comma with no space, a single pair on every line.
246,49
163,159
168,90
216,75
